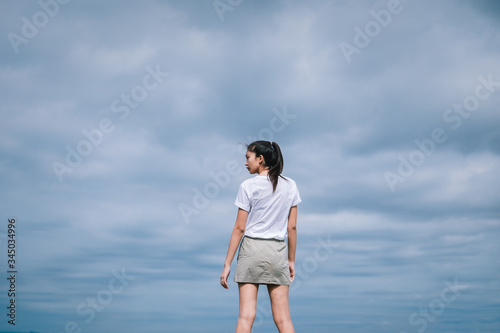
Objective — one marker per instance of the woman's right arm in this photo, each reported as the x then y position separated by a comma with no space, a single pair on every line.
236,235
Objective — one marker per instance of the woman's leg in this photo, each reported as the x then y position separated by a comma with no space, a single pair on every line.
248,306
279,304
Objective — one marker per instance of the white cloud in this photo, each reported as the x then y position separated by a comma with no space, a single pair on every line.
120,206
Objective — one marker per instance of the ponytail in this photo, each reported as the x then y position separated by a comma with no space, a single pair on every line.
273,158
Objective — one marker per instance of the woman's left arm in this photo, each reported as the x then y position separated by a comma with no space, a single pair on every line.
236,235
292,240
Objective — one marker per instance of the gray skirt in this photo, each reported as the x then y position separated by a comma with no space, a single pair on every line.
262,261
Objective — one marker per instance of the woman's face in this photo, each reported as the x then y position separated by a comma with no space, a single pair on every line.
253,163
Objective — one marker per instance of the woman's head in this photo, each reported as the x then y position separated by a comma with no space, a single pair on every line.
272,158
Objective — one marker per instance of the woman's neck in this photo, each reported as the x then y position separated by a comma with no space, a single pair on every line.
264,172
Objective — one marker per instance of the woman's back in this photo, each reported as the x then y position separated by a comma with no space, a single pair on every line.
268,209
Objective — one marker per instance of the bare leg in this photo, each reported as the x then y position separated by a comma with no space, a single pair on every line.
279,304
248,306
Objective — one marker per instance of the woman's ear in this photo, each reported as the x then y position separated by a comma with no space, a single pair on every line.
260,158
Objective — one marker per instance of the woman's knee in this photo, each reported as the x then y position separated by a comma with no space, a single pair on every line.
282,319
247,316
248,302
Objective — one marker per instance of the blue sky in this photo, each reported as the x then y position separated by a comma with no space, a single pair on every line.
121,155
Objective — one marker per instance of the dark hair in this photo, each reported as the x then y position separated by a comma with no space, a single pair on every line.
273,159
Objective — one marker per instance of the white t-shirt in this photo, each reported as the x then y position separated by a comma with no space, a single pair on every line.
267,211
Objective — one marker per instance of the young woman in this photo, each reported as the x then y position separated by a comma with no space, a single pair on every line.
267,216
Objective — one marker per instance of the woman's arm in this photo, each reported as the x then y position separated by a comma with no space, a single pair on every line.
236,235
292,240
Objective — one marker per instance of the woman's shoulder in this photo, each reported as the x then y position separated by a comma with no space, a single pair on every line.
252,180
289,180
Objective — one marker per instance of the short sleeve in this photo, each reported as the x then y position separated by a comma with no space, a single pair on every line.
296,199
242,198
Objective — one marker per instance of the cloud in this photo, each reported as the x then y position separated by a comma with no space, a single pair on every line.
229,82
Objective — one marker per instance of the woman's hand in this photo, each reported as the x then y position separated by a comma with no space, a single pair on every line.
236,235
224,276
291,265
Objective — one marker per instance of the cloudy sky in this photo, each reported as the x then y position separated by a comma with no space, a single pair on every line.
122,127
